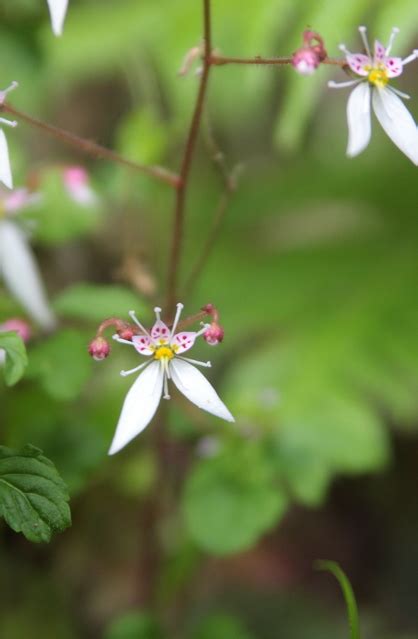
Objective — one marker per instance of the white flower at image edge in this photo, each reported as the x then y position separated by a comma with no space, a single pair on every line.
18,268
57,10
5,170
375,72
164,348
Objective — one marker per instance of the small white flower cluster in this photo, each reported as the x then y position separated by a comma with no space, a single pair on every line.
374,71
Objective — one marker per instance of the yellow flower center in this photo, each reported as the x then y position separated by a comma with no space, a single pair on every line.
378,77
164,352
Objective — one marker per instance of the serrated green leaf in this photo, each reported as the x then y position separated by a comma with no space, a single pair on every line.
16,359
61,364
96,302
33,497
227,510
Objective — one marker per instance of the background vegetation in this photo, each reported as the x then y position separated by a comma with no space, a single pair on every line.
315,275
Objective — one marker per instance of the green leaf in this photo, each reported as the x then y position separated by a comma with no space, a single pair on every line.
226,509
16,358
134,625
350,600
33,497
96,302
61,364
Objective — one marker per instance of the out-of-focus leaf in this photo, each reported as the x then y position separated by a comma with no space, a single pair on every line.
96,302
61,364
33,497
134,625
221,626
231,500
16,359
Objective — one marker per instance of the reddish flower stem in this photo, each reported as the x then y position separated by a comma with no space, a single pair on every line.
93,149
219,60
182,188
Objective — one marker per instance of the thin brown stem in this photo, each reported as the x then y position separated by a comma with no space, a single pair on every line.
91,148
179,209
219,60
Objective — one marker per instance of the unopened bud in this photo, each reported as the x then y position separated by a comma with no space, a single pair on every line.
127,332
305,61
308,58
19,326
214,334
99,348
77,183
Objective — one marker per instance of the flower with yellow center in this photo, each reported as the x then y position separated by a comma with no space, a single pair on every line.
375,72
164,348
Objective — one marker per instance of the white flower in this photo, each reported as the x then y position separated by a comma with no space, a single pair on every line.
164,347
18,268
374,73
57,10
5,170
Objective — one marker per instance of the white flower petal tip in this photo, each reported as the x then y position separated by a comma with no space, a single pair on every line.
358,116
57,10
397,122
193,385
139,407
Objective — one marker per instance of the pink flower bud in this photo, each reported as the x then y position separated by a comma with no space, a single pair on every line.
99,348
127,332
20,327
77,182
305,60
214,334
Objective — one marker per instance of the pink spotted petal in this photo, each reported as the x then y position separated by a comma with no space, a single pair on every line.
183,341
142,344
393,66
359,63
160,331
379,51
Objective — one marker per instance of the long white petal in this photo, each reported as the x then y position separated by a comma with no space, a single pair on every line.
5,170
358,116
139,407
21,275
197,389
57,9
397,122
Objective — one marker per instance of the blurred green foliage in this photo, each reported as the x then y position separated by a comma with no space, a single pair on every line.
314,274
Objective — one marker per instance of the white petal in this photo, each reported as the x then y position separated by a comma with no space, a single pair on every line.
397,122
57,9
139,407
21,275
197,389
5,170
358,116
